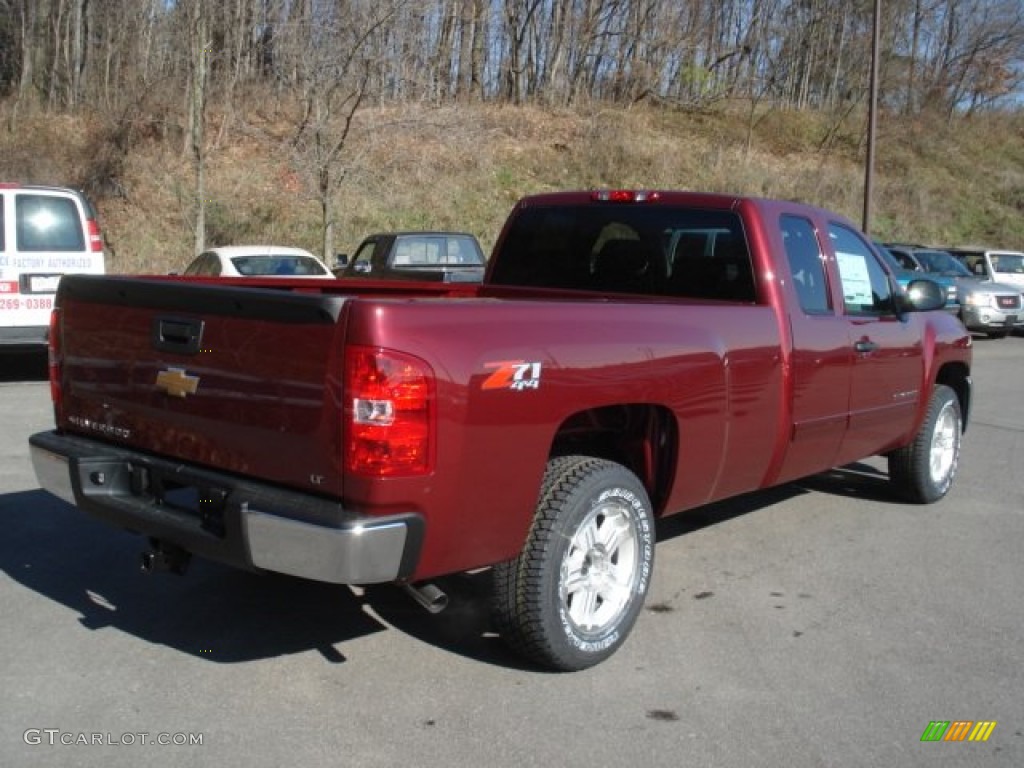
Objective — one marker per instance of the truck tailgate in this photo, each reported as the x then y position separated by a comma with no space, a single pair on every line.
232,377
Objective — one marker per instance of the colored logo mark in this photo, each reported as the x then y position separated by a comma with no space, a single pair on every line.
513,374
958,730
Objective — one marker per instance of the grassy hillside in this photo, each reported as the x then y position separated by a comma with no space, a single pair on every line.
415,167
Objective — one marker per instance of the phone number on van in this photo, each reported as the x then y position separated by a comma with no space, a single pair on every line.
26,303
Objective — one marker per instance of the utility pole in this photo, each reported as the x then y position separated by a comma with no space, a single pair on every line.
869,163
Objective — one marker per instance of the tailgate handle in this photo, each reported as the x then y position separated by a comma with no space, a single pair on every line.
182,336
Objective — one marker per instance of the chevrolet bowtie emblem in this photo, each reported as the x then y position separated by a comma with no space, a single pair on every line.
176,383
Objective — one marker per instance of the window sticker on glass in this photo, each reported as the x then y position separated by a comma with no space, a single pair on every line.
853,271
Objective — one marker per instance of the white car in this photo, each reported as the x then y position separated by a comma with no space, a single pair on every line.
258,261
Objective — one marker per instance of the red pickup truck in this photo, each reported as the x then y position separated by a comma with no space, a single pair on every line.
629,355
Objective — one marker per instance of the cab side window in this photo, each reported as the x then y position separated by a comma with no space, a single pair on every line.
866,286
362,262
804,255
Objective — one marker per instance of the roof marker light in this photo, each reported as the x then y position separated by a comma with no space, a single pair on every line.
624,196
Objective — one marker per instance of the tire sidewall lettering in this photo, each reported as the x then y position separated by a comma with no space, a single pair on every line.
585,646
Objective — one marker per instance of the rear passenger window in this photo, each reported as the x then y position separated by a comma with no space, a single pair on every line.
711,262
640,250
804,256
418,251
45,223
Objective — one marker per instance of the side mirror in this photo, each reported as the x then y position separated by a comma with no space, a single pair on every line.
363,267
924,295
340,260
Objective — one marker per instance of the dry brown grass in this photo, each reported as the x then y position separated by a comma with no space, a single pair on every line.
462,168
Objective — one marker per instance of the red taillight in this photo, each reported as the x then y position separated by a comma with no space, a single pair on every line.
95,238
389,413
623,196
55,362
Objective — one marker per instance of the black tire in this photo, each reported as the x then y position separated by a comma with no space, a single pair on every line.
569,601
998,334
923,471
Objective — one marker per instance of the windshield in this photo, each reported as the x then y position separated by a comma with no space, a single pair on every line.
942,263
889,258
251,266
1008,263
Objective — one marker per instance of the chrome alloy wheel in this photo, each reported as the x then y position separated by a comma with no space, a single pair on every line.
600,569
942,456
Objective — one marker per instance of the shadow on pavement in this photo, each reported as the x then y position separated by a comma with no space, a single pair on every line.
855,481
226,615
22,365
215,612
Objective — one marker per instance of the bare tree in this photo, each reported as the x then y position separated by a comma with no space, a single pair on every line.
518,18
952,55
200,51
334,71
30,48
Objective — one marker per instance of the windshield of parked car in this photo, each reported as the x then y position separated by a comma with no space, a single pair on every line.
252,266
889,258
1008,263
942,263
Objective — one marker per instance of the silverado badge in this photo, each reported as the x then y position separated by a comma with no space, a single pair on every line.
176,383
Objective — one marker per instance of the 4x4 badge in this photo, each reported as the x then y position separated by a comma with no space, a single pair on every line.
513,374
176,383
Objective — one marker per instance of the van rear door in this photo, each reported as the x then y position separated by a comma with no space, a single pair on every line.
45,232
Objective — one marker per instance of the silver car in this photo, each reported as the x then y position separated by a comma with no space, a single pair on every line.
985,306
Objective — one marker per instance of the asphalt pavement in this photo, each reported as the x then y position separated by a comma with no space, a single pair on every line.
821,623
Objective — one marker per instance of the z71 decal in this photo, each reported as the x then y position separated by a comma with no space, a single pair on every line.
513,374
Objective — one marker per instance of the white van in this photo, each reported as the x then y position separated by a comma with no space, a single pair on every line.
45,232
